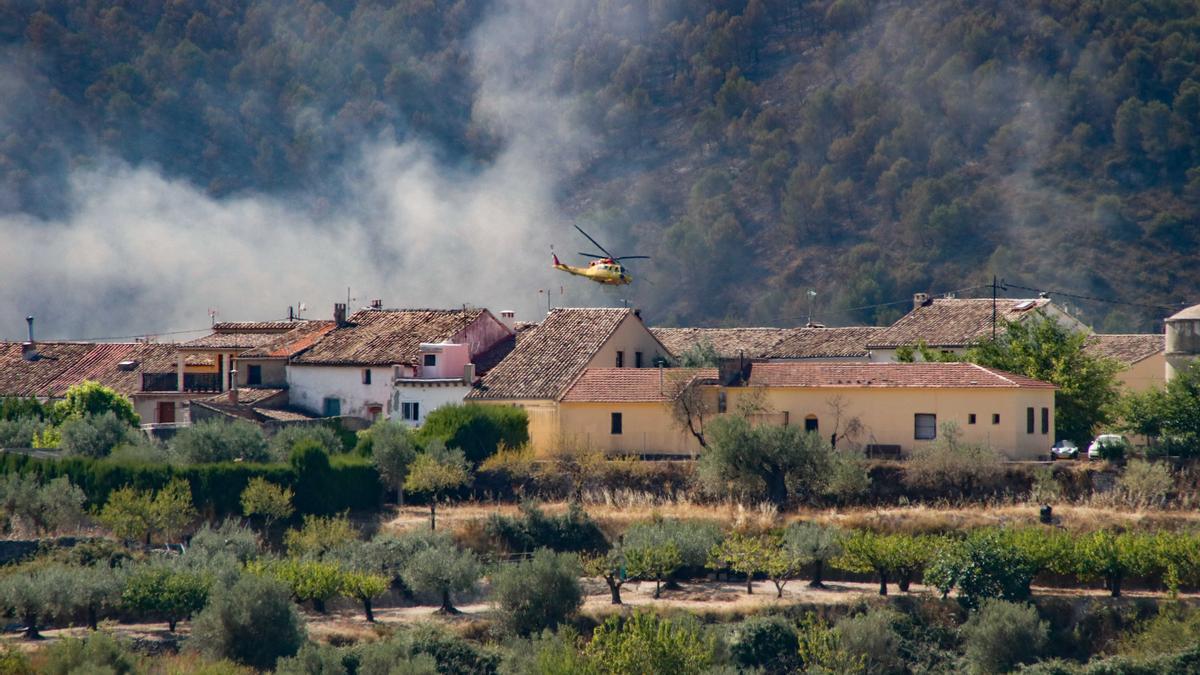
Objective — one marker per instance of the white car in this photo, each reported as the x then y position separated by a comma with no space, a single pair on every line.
1103,440
1064,450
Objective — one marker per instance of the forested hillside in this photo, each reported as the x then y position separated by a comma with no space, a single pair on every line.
755,148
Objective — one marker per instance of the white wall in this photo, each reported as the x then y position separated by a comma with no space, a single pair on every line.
309,386
430,397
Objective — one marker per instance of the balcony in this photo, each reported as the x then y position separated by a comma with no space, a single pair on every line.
192,382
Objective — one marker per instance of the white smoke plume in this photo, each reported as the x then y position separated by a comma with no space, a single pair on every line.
140,253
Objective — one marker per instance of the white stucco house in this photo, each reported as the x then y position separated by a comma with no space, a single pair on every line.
392,363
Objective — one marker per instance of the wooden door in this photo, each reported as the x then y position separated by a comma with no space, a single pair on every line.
166,412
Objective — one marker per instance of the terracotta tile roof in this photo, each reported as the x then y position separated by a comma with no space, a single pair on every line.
1128,349
251,396
953,322
382,337
65,364
634,384
494,355
253,326
887,375
730,343
818,343
286,345
245,334
546,360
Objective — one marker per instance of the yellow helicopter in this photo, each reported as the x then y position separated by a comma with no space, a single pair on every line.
604,269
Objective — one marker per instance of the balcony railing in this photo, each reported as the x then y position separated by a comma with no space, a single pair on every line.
192,382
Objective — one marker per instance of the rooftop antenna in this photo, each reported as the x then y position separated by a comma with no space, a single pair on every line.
212,315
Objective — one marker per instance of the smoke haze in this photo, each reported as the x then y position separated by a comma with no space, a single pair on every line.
140,252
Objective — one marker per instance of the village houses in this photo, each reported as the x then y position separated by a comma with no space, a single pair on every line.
596,378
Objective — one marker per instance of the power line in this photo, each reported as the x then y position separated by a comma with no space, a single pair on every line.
899,302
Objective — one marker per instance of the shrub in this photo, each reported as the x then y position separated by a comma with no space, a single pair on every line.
947,463
97,653
538,594
95,435
229,538
1001,635
1145,484
441,569
93,398
533,529
220,441
766,642
425,648
285,440
645,643
13,661
1113,450
477,430
872,637
310,462
313,659
319,535
18,433
252,622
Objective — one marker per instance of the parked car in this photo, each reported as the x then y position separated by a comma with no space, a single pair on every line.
1064,450
1112,441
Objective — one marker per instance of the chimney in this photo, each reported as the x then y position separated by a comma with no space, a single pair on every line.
377,304
339,313
920,300
469,373
508,318
29,349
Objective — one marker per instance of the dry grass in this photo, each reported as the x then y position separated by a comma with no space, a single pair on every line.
616,511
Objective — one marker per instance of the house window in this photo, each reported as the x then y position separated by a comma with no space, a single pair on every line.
810,423
616,422
971,418
722,404
430,360
995,418
1029,420
1045,421
333,407
924,426
411,411
637,359
620,359
253,374
366,376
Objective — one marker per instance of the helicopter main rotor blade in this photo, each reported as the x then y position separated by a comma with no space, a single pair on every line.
633,257
589,238
591,255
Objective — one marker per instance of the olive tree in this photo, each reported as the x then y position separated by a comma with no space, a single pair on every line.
436,472
442,569
777,463
252,622
538,594
814,544
393,450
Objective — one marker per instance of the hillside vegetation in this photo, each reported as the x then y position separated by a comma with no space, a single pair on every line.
755,148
